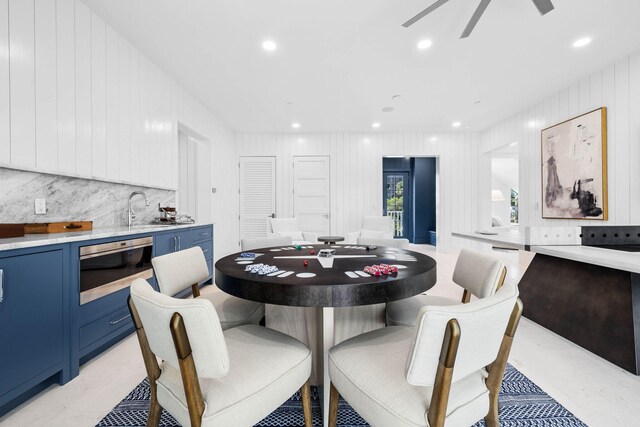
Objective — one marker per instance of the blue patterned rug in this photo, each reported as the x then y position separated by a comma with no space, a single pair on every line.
522,404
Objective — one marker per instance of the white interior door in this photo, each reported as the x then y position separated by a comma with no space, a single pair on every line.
257,195
311,193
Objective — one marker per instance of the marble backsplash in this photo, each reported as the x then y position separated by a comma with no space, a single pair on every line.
75,199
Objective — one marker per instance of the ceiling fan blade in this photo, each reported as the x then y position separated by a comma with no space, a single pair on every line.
543,6
475,18
424,13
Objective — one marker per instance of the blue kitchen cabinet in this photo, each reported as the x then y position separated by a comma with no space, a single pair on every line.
171,241
45,333
33,320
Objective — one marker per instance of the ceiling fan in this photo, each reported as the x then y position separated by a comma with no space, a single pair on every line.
543,6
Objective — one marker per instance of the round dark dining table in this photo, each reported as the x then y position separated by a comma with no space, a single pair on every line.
326,282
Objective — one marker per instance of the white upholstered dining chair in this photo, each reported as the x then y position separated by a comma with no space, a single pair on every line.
479,274
289,227
388,242
265,242
378,227
445,371
211,377
180,270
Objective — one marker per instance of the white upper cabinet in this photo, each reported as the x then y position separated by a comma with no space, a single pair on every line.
76,98
22,81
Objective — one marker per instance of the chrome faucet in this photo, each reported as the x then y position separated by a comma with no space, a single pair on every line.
132,213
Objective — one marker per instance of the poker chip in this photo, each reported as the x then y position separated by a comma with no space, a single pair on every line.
261,269
381,269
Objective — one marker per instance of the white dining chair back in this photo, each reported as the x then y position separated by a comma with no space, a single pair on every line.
180,270
265,242
201,320
478,273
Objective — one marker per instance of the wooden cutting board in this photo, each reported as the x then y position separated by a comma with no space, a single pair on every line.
11,230
58,227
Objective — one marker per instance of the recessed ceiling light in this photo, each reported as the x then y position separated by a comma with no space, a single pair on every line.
269,45
424,44
295,125
513,144
582,42
375,125
366,140
433,139
387,109
532,123
456,124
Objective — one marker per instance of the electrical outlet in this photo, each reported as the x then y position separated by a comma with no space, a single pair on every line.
41,206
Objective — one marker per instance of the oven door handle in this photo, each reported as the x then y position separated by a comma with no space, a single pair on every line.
114,251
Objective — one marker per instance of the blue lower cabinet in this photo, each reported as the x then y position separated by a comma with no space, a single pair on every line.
45,331
32,320
171,241
207,248
103,322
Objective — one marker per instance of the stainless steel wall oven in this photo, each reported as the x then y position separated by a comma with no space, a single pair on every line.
109,267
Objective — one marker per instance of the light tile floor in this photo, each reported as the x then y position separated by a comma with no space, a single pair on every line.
596,391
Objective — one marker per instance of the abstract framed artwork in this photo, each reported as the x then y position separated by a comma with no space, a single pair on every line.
574,167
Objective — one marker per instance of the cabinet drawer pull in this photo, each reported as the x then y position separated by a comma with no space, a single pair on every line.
204,251
115,322
204,234
1,285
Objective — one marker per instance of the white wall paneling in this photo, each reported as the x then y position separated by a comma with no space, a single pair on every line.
356,172
22,82
66,75
83,89
98,98
5,118
616,87
46,149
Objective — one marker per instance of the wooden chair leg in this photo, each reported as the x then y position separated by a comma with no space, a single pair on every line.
334,396
305,391
497,368
491,420
155,411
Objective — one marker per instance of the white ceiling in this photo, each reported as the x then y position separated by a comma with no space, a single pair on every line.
340,61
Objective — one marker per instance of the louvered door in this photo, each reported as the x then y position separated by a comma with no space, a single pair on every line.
257,195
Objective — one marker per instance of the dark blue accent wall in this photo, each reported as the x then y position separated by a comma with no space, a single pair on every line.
422,175
424,198
401,164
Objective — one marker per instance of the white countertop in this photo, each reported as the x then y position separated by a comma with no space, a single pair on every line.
509,238
33,240
619,260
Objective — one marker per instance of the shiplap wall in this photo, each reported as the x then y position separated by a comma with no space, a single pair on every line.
356,172
616,87
77,99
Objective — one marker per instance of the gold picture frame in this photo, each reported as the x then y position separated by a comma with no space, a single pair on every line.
574,167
